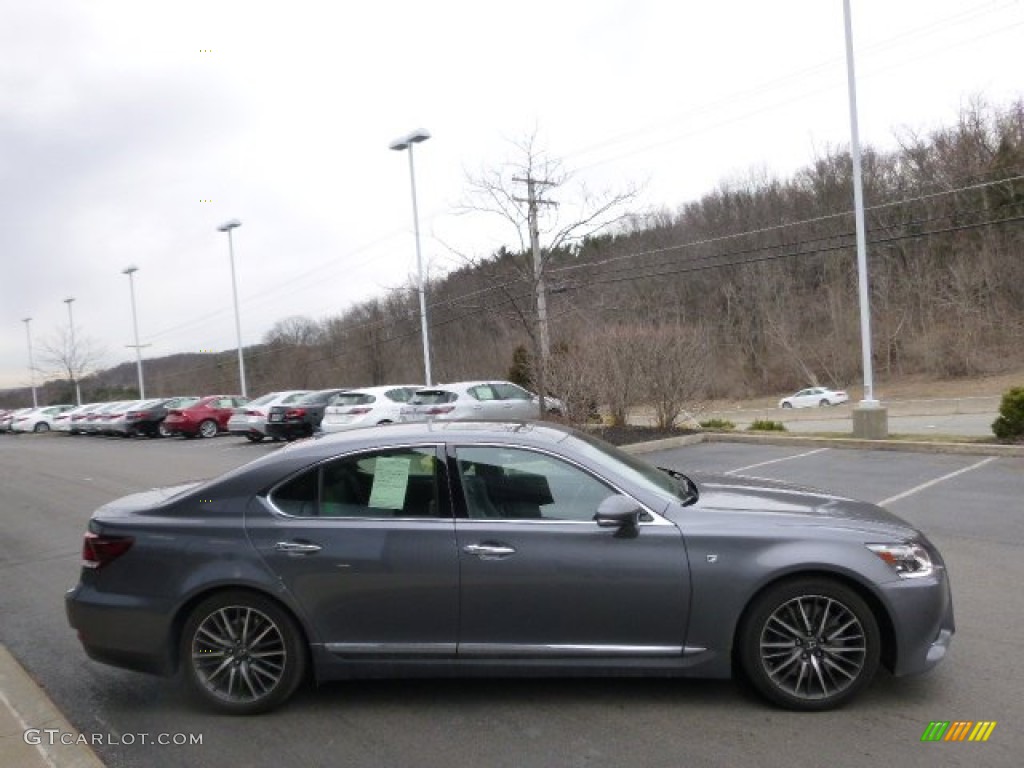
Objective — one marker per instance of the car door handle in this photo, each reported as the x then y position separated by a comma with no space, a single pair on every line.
297,547
489,551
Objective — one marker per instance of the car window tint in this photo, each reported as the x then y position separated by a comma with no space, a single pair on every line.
298,497
292,398
433,397
516,484
400,395
391,483
511,392
483,392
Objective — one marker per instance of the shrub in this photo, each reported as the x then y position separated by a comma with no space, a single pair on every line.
1010,424
766,425
717,424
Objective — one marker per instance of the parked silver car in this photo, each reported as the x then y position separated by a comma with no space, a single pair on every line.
251,419
508,548
491,400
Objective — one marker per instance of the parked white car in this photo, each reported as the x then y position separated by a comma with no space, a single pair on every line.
9,416
366,406
814,397
250,419
38,419
487,400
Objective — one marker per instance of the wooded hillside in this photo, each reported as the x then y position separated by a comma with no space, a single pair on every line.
751,289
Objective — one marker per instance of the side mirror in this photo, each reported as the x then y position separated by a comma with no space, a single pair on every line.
618,512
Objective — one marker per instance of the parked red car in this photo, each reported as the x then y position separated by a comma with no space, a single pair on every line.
205,418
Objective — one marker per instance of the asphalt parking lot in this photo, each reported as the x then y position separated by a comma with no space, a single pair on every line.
972,507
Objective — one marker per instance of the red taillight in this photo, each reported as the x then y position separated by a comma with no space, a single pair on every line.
295,413
99,550
437,410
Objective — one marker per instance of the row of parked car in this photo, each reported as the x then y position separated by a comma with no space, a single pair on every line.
283,415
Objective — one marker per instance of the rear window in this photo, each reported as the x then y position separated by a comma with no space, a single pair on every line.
182,402
264,400
433,397
316,398
352,398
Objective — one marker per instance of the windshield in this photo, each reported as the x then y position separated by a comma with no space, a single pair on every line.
669,483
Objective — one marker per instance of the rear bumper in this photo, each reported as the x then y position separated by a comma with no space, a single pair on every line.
121,631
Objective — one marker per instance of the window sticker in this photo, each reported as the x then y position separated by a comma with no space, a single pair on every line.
390,481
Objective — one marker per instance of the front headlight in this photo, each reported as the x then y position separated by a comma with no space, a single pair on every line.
910,561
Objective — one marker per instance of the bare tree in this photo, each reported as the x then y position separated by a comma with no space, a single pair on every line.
519,192
71,356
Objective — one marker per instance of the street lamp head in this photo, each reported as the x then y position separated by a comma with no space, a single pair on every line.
420,134
227,226
129,270
69,299
26,319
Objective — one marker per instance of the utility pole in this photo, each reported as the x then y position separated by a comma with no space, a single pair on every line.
544,339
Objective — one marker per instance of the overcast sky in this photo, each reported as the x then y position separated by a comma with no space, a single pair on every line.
130,129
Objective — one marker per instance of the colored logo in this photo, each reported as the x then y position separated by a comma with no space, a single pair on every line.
958,730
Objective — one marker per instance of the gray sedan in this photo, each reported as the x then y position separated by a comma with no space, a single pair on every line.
522,548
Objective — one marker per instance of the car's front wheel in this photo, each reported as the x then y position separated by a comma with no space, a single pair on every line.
809,644
42,426
787,405
824,403
208,428
242,653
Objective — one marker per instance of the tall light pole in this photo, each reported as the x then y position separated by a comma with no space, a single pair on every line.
869,419
31,362
406,142
130,271
72,359
227,226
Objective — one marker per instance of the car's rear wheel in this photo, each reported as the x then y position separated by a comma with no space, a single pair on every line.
787,405
809,644
42,426
824,403
208,428
163,431
242,653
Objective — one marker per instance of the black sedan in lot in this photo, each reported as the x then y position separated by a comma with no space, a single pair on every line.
300,419
462,548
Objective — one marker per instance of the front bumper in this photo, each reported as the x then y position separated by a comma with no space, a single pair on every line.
923,623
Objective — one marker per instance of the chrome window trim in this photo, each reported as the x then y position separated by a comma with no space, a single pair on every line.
657,520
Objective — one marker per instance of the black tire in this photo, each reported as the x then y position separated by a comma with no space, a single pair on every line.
227,674
809,644
162,431
252,437
787,405
42,426
824,404
207,428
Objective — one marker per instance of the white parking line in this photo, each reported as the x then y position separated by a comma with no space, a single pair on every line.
775,461
936,481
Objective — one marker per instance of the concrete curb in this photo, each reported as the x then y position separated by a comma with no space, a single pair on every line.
851,443
26,709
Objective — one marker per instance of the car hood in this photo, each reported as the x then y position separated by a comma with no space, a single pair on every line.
798,503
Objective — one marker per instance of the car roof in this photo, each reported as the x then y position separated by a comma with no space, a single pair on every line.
537,433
